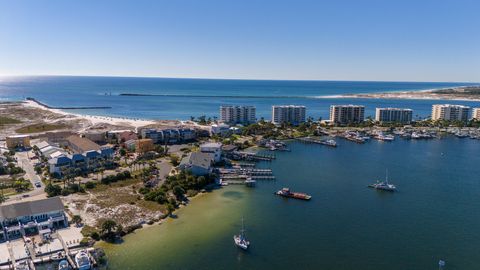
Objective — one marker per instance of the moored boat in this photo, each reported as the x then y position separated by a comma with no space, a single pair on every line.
82,259
383,185
63,265
331,143
241,240
285,192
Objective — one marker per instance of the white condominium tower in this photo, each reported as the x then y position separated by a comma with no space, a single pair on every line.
344,114
450,112
393,115
288,114
238,114
476,114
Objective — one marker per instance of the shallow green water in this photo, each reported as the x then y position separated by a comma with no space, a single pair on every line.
435,214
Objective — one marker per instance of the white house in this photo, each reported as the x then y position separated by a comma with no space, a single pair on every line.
32,217
198,163
212,148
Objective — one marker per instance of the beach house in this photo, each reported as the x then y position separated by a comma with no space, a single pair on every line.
31,218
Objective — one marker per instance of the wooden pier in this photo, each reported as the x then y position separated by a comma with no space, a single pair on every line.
252,156
316,141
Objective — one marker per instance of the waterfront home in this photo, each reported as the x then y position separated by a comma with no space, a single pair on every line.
198,163
17,141
221,130
228,149
31,218
212,148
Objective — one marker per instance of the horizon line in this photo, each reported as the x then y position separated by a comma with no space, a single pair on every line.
230,79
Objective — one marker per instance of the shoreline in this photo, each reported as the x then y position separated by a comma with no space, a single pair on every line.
428,94
94,119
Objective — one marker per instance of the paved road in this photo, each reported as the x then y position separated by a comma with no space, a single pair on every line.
26,164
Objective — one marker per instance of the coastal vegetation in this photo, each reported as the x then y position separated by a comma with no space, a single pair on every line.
40,127
8,120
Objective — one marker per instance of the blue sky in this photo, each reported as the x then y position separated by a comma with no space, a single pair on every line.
402,40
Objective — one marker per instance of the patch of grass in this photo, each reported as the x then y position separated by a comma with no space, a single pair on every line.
7,120
43,127
152,206
88,230
102,188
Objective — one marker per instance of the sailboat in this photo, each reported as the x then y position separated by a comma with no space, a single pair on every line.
384,185
240,240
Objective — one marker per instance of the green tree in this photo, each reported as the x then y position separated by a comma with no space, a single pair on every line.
77,219
53,190
109,230
178,191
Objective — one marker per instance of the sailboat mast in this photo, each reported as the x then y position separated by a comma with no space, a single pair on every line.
243,228
386,176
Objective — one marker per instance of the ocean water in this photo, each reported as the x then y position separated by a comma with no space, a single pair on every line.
182,98
346,226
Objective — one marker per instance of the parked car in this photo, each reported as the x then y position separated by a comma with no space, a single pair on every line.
38,184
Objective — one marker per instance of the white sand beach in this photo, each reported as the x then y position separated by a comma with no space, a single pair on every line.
116,121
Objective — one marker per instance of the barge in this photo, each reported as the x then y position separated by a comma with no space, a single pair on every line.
285,192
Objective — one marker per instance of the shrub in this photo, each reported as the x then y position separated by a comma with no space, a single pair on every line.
95,236
53,190
89,185
143,190
84,241
65,192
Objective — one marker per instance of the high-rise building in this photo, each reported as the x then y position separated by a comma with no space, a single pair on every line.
238,114
476,114
288,114
450,112
344,114
393,115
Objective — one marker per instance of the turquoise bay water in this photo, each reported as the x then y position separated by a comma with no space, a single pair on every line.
182,98
434,215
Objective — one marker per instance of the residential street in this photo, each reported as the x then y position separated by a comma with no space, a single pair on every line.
26,164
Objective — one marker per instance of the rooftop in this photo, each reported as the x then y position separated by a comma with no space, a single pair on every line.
199,159
18,136
82,144
31,208
211,145
42,144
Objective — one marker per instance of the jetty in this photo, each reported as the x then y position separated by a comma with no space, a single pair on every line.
67,108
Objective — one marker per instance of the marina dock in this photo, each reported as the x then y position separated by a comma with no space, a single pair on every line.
243,175
237,155
330,143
